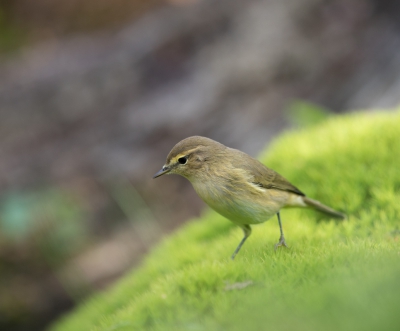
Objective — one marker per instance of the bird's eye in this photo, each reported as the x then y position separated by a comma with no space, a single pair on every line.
182,160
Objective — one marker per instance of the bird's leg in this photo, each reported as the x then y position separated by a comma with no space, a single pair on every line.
282,241
247,231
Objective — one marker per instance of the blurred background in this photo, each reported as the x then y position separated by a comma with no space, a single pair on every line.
94,94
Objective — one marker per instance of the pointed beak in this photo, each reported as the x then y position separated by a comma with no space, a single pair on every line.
163,171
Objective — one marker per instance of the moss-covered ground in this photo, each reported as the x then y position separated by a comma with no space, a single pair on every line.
336,275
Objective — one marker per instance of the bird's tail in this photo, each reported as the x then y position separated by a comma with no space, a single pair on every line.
322,208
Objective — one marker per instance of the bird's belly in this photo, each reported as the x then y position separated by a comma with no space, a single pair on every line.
245,212
243,208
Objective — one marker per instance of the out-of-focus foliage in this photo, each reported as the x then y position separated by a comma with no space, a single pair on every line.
24,21
336,275
52,213
39,232
11,36
302,113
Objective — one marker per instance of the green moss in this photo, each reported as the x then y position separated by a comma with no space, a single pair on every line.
336,275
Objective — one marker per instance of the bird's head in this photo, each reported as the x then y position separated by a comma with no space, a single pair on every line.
191,157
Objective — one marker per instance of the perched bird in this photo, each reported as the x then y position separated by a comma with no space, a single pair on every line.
236,185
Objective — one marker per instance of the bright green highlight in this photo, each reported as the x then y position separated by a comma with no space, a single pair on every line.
335,276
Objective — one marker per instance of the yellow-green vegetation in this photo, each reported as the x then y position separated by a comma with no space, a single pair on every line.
336,275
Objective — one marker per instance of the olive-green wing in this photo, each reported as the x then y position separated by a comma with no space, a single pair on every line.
277,182
265,177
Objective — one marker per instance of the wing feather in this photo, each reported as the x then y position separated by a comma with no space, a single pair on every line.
263,176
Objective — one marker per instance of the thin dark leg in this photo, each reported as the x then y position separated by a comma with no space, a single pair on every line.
247,232
282,241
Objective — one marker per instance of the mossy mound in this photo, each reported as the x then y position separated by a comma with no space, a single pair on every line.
335,275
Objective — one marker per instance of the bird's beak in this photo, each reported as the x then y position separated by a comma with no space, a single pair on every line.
163,171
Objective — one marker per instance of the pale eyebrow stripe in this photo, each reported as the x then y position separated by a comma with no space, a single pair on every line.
186,153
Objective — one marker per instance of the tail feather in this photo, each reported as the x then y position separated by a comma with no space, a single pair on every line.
322,208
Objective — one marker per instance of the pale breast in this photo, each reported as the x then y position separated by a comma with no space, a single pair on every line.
241,202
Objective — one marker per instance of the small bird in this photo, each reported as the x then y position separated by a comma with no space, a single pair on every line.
236,185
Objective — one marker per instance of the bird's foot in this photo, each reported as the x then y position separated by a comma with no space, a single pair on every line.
281,242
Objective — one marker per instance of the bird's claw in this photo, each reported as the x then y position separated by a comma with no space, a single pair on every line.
281,242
